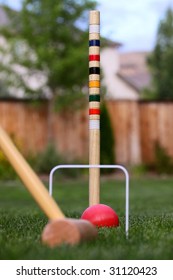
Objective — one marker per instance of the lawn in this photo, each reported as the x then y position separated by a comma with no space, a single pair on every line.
151,220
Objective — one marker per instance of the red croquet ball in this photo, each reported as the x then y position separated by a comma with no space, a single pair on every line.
101,215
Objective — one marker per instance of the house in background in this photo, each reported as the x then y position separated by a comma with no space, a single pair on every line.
134,71
125,75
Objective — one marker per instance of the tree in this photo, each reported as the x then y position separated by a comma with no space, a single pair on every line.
160,61
45,38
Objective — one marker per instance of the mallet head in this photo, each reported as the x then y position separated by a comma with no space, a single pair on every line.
67,231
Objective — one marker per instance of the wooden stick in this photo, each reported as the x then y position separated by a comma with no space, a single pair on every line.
94,106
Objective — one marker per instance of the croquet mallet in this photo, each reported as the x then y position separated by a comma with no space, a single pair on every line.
60,229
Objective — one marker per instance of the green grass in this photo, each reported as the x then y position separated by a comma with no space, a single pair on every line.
151,221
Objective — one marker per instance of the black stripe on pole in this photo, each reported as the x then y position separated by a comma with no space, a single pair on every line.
94,70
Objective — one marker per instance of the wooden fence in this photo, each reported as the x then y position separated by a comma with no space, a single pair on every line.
137,126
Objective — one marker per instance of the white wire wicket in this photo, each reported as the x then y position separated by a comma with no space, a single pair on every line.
98,166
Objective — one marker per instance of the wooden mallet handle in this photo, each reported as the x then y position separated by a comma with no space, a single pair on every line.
29,178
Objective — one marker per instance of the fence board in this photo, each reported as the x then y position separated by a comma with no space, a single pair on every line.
125,123
156,123
28,124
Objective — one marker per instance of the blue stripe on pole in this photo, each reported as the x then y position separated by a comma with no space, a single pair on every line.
94,43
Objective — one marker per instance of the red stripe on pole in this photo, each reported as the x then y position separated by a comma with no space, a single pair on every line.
94,57
94,111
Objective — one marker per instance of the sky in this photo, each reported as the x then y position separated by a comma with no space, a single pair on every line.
133,23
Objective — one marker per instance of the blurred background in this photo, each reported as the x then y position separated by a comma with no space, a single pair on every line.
44,82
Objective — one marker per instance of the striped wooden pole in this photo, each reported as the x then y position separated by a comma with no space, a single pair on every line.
94,106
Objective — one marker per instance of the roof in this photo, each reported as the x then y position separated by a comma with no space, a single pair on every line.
109,43
133,69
